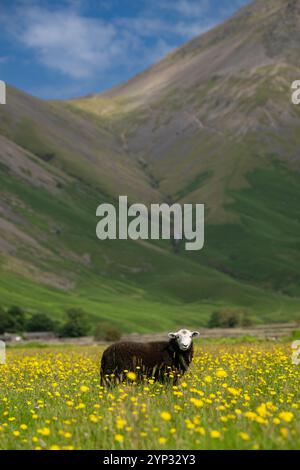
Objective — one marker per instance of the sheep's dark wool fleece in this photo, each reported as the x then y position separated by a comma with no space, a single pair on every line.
155,359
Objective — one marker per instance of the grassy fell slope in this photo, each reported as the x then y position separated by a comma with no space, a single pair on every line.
70,141
210,123
51,260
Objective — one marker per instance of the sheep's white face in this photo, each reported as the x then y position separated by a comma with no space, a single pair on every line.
184,338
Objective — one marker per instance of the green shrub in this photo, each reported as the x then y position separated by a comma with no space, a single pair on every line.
17,315
229,318
12,321
106,332
40,322
295,334
5,321
76,324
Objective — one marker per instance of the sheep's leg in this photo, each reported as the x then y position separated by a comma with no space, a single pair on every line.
175,380
102,378
106,371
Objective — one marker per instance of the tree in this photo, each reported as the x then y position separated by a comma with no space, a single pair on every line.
76,324
18,319
106,332
12,320
5,321
226,318
40,322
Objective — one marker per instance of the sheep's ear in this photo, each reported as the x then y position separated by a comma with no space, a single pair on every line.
195,334
172,335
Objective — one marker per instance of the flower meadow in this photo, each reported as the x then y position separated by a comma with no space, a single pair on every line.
242,396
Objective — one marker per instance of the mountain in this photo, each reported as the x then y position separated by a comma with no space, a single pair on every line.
212,123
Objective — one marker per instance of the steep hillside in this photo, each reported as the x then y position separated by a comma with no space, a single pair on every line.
51,259
67,140
200,104
213,123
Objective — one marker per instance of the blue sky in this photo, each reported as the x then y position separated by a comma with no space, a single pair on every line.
61,49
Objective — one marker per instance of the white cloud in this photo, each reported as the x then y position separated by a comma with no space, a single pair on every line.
82,47
74,45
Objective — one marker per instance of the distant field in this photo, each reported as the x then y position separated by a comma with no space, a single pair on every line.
243,396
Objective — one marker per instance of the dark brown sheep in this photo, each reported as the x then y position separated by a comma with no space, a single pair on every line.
160,360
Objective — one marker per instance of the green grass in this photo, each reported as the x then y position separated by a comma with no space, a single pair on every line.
263,248
195,184
29,137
